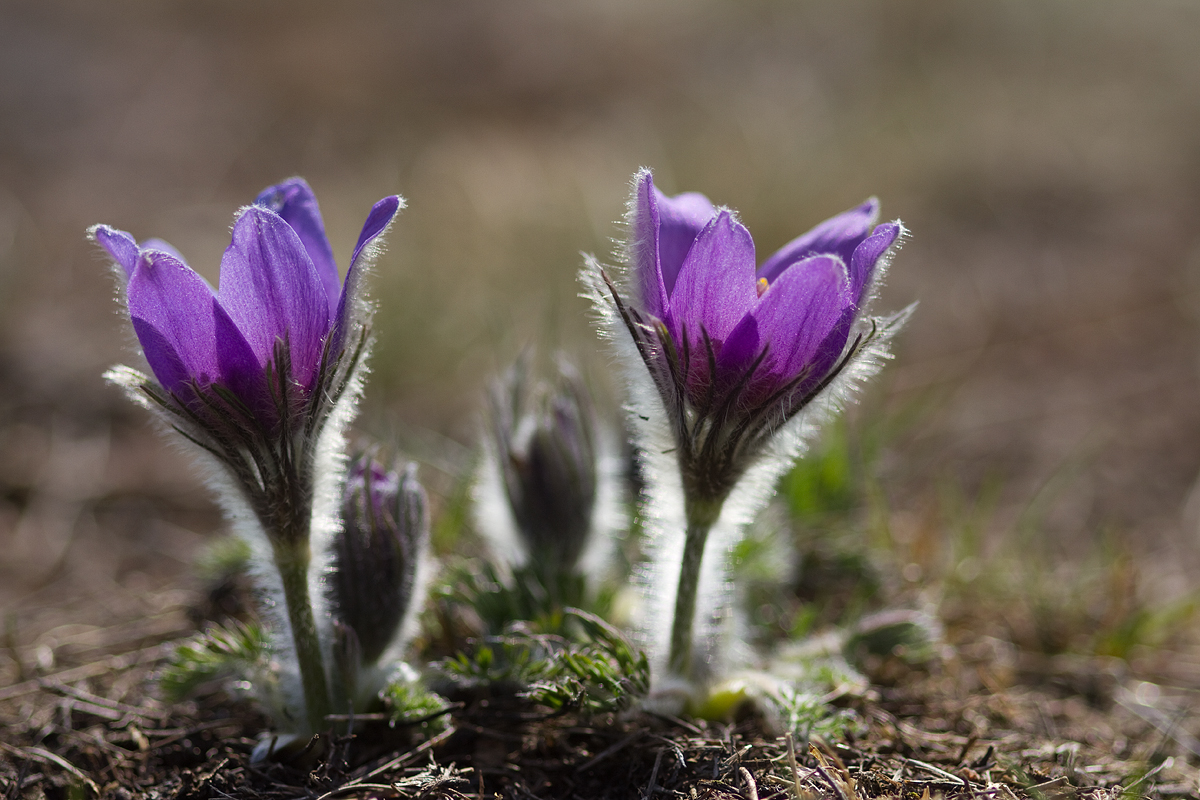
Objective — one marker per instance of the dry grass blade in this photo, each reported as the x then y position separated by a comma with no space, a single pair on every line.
46,757
146,655
1150,774
795,767
938,771
401,760
843,786
120,709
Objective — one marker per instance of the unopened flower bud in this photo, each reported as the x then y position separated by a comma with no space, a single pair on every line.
545,450
376,556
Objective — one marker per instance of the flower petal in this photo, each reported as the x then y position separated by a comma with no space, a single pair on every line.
164,247
272,291
838,235
378,220
295,202
680,220
381,216
867,255
715,288
120,245
643,245
794,319
175,315
240,368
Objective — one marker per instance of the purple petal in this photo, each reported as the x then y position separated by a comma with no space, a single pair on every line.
839,236
175,315
163,357
381,216
680,220
378,220
295,202
867,255
120,245
715,288
643,245
163,247
794,319
240,368
272,291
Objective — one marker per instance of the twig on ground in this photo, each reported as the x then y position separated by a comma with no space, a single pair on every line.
401,760
121,709
652,787
938,771
751,786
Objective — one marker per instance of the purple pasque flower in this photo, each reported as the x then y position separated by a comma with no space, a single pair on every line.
276,325
253,370
736,350
262,374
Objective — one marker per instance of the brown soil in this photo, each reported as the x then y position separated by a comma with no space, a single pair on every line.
983,721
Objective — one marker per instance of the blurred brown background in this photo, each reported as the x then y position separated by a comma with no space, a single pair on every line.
1045,155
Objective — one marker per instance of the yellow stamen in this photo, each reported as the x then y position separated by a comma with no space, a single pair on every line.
762,286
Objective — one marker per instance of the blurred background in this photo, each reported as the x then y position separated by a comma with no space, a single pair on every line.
1044,155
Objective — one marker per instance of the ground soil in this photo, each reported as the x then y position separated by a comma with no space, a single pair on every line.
983,720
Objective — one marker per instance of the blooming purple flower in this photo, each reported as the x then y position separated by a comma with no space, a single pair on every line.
736,350
743,362
279,296
779,328
761,332
262,374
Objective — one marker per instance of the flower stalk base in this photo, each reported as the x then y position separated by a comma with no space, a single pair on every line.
700,522
292,561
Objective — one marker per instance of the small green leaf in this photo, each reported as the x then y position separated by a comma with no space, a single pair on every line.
221,652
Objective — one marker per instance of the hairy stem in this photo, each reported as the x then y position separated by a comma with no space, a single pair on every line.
701,517
292,560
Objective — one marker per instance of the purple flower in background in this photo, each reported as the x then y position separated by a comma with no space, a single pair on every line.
279,309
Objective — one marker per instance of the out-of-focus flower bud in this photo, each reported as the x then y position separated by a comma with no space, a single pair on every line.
544,442
542,468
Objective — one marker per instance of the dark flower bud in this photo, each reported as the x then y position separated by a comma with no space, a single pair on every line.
545,451
377,554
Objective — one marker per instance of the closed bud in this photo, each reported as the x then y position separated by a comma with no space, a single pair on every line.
377,554
544,446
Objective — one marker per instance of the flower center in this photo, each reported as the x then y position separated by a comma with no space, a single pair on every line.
761,286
